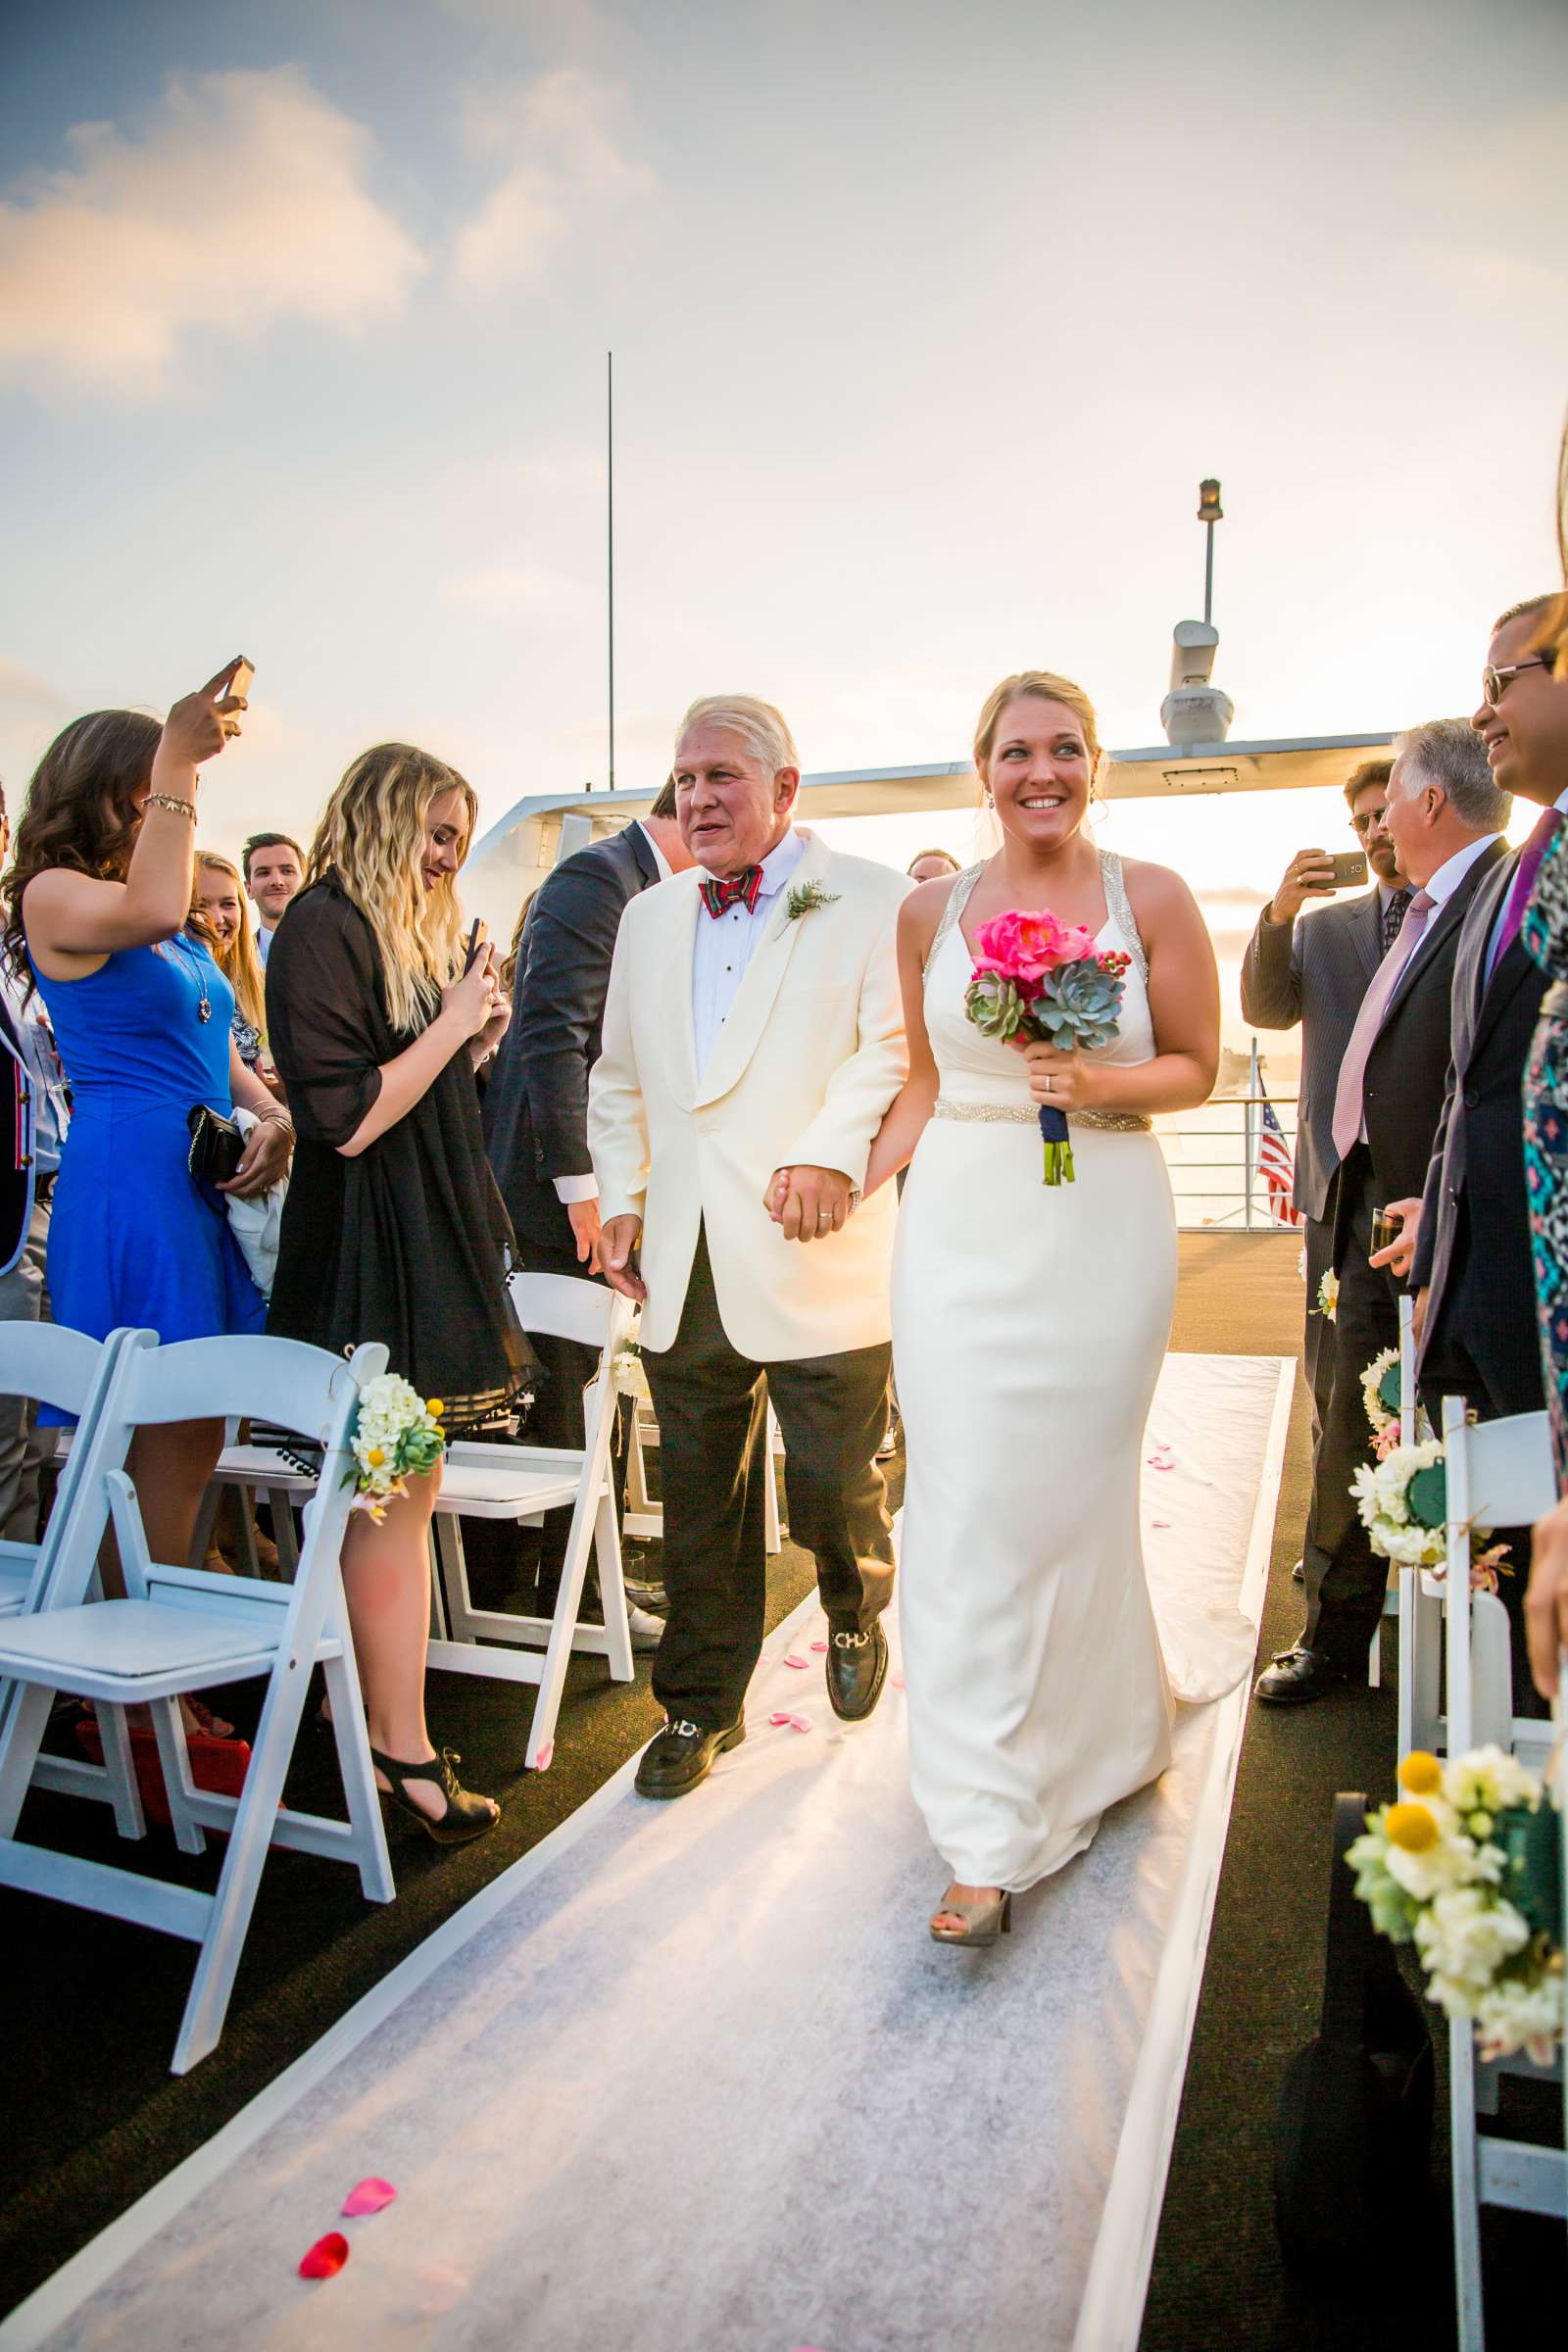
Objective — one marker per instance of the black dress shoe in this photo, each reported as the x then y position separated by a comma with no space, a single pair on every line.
1298,1675
682,1754
856,1669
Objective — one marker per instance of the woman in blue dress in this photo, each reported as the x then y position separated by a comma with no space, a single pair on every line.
100,897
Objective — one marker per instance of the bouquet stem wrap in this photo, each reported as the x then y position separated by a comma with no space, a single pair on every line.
1058,1145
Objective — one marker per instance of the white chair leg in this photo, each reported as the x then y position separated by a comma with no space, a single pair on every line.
178,1785
360,1790
249,1841
21,1737
558,1649
120,1771
446,1530
613,1590
1466,2209
1374,1660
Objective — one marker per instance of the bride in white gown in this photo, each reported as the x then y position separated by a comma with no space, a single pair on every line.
1029,1326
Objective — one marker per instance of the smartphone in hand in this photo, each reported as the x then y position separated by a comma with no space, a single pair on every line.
472,957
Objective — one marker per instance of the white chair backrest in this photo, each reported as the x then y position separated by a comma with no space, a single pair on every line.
294,1386
1504,1468
67,1369
589,1313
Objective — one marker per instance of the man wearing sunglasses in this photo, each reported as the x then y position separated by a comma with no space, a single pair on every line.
1465,1245
1316,974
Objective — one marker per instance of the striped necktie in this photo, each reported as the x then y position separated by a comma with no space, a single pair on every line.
1540,840
1348,1096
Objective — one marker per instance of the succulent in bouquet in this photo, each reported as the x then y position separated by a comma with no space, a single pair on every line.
1039,981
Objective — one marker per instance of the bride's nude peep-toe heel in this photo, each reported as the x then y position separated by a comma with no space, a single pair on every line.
983,1923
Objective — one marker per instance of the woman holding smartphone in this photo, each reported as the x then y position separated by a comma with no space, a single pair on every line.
393,1228
102,913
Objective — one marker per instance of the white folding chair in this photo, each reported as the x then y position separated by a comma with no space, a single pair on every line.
181,1630
55,1365
1420,1597
1499,1474
517,1483
645,1514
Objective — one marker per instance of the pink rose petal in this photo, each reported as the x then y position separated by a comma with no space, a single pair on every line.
369,2196
1159,1523
327,2257
897,1680
792,1660
440,2285
819,1645
543,1758
783,1719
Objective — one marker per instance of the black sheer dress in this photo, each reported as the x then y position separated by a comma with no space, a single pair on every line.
405,1242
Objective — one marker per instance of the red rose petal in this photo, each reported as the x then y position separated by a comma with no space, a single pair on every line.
819,1645
792,1660
327,2257
369,2196
543,1759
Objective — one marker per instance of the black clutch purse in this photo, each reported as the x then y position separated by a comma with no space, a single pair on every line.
217,1146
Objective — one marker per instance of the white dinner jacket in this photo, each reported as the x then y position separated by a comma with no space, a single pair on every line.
812,1054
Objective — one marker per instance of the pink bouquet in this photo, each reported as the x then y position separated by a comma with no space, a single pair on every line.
1038,978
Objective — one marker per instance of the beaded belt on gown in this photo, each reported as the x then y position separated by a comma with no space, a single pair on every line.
1026,1115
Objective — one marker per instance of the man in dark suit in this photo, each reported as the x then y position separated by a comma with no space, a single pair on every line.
1466,1241
1445,820
1316,974
536,1104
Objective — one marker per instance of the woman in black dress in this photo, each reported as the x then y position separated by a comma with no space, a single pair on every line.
393,1229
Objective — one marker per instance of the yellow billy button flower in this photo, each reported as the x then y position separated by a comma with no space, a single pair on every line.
1421,1774
434,1408
1410,1827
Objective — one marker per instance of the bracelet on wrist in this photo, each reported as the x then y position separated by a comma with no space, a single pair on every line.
176,808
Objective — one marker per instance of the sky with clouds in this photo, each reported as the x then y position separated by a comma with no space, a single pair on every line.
927,324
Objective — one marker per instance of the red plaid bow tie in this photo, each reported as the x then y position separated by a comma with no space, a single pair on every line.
743,888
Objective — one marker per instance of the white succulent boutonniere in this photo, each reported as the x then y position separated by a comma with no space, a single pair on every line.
805,898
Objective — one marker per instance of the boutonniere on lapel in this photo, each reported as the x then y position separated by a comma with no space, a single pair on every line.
805,898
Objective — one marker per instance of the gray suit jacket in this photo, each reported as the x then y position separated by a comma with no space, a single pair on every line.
1315,972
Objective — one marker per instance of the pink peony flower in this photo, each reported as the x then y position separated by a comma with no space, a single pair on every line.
1025,946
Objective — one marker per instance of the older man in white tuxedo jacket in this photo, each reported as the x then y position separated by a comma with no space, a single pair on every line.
753,1041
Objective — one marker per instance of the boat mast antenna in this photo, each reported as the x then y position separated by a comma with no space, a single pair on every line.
609,519
1194,711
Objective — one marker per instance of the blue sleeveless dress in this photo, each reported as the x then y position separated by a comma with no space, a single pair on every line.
134,1239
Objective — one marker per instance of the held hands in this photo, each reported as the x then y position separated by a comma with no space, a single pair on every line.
808,1203
1400,1256
1310,875
1059,1077
586,1231
618,1254
495,1028
263,1160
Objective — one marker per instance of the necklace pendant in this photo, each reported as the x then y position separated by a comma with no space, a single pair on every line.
204,1010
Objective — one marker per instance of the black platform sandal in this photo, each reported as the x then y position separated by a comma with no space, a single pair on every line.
466,1815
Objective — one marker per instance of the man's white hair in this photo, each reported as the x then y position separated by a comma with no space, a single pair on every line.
1448,753
764,730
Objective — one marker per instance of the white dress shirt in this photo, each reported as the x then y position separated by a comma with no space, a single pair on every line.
263,941
726,943
570,1189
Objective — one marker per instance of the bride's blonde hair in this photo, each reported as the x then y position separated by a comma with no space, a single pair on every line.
373,832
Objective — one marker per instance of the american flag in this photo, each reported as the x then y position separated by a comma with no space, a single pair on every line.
1274,1165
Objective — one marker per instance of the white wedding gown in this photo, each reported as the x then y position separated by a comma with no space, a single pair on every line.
1029,1327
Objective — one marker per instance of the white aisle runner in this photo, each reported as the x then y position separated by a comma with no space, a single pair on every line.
693,2075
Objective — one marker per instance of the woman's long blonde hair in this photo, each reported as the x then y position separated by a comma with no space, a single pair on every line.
236,958
372,834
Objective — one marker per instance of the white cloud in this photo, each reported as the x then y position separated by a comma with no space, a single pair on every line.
245,201
569,167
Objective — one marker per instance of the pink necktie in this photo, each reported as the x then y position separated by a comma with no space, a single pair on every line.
1542,834
1348,1109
